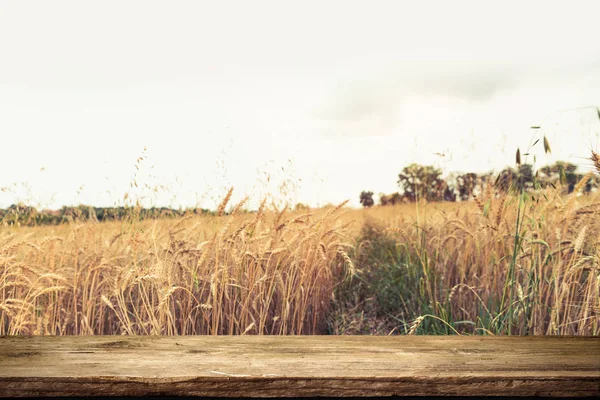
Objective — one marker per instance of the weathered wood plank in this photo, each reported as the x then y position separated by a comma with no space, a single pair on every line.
298,366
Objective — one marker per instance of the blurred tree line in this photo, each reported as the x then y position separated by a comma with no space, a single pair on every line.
19,214
425,182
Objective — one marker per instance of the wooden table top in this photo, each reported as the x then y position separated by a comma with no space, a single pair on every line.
298,366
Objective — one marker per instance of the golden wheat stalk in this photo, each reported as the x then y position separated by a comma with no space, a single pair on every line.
415,325
596,160
223,204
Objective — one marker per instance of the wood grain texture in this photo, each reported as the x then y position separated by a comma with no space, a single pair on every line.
298,366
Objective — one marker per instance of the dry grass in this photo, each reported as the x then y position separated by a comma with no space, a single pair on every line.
460,264
264,273
475,267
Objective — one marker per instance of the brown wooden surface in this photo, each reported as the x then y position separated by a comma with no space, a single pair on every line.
298,366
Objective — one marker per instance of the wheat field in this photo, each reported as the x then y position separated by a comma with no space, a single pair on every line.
524,264
267,273
501,265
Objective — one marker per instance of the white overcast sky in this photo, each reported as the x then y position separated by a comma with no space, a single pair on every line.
340,94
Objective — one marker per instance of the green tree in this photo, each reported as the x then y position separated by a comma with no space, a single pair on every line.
366,199
423,181
390,199
466,184
525,177
301,207
510,179
563,173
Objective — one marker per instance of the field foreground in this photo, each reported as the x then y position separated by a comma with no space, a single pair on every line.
501,265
